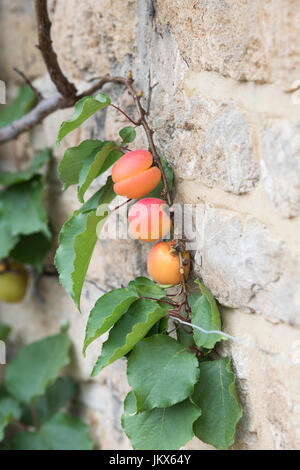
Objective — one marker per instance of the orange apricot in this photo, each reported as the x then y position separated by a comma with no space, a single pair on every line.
149,220
164,264
134,176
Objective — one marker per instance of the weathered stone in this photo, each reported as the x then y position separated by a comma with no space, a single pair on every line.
228,153
246,40
104,35
18,36
280,166
245,267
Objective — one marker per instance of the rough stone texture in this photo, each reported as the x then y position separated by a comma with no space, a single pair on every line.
228,148
104,35
245,267
245,39
281,166
223,119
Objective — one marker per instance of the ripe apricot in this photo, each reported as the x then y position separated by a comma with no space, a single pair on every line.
13,282
148,219
134,176
164,263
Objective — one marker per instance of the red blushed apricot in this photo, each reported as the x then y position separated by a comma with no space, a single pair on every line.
133,175
164,264
148,219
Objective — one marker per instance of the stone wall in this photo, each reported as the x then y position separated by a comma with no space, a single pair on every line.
226,117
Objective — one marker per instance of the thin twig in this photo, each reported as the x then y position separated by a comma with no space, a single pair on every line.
29,83
125,114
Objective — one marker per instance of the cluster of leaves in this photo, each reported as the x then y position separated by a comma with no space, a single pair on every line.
24,231
33,395
175,395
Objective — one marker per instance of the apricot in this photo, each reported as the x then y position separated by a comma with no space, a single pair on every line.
133,175
164,264
148,219
13,282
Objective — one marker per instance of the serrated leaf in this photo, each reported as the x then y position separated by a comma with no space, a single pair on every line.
216,395
62,432
159,429
22,210
9,178
154,366
36,367
170,178
9,410
77,240
145,287
84,109
23,103
205,313
127,134
72,161
55,398
106,312
32,249
128,331
91,168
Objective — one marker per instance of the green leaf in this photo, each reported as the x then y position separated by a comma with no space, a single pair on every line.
159,429
9,410
216,395
106,194
62,432
170,178
205,313
145,287
9,178
22,210
128,331
55,398
7,239
77,240
127,134
32,249
4,332
23,103
106,312
72,161
154,366
36,367
91,168
84,109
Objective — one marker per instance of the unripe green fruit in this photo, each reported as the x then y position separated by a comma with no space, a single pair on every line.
13,282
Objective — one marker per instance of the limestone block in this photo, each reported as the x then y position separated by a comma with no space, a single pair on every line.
104,34
268,381
246,40
244,266
280,166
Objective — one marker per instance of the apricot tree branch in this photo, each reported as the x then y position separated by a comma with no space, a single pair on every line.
63,85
